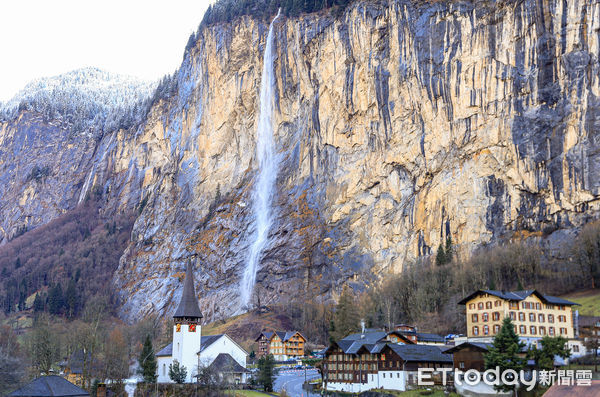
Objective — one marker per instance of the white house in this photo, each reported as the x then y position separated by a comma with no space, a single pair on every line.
194,351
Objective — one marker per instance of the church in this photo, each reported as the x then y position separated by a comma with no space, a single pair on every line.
193,350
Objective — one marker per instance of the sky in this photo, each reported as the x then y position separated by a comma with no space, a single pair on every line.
40,38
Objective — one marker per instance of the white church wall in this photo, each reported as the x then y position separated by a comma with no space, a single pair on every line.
223,345
162,368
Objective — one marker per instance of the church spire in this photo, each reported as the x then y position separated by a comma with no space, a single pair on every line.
188,306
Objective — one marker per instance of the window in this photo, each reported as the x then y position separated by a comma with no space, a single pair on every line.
486,330
461,365
513,316
532,317
485,317
550,307
480,305
522,329
550,318
497,303
496,316
563,331
551,331
513,305
532,330
471,306
525,305
488,305
521,316
538,306
541,318
474,317
496,328
576,348
562,319
475,330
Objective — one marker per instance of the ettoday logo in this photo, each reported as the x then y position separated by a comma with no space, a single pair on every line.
509,377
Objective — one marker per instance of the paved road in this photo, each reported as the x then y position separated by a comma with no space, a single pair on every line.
292,380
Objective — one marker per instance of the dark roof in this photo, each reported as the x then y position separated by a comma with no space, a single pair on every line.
484,347
519,296
49,386
557,390
424,337
287,335
166,351
588,321
371,342
267,335
225,363
421,353
188,306
208,340
367,338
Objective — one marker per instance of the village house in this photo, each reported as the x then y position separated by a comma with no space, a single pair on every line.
193,350
282,345
378,359
420,338
534,315
47,386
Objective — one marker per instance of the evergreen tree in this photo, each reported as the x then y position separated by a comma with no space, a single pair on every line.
71,299
38,303
177,372
505,352
551,346
346,317
440,258
56,301
449,250
265,372
147,362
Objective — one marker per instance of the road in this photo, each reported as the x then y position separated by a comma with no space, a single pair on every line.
292,380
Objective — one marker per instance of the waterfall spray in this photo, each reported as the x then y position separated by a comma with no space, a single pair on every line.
264,187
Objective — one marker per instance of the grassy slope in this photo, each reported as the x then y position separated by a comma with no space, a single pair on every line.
589,301
246,327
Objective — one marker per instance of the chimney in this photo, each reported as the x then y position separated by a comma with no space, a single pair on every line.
362,326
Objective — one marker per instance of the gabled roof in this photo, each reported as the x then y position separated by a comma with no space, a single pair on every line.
266,334
368,337
402,335
287,335
166,351
188,305
435,338
421,353
48,386
226,364
519,296
208,340
484,347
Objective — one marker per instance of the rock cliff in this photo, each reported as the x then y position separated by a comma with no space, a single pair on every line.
397,124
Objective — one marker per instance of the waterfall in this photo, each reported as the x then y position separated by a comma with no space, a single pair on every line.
264,187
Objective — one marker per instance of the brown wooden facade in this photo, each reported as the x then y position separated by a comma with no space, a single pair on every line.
468,356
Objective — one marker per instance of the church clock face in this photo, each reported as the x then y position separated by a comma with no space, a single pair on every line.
177,327
192,327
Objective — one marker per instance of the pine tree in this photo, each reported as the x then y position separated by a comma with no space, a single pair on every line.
265,372
56,300
551,346
505,351
71,299
449,250
38,303
346,318
147,362
440,258
177,372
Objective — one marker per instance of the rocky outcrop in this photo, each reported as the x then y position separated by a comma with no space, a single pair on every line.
397,124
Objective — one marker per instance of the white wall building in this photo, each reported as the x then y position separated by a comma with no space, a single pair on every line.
192,350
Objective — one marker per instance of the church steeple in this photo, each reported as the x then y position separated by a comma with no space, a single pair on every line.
188,306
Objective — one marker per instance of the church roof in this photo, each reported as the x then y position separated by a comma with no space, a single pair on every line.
166,351
49,386
227,364
188,306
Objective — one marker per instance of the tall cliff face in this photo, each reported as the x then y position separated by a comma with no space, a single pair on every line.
396,124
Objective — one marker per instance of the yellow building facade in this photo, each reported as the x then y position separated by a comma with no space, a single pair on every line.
534,315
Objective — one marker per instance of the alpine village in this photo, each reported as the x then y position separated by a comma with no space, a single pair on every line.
376,198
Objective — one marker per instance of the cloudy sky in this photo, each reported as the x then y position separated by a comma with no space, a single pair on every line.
48,37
